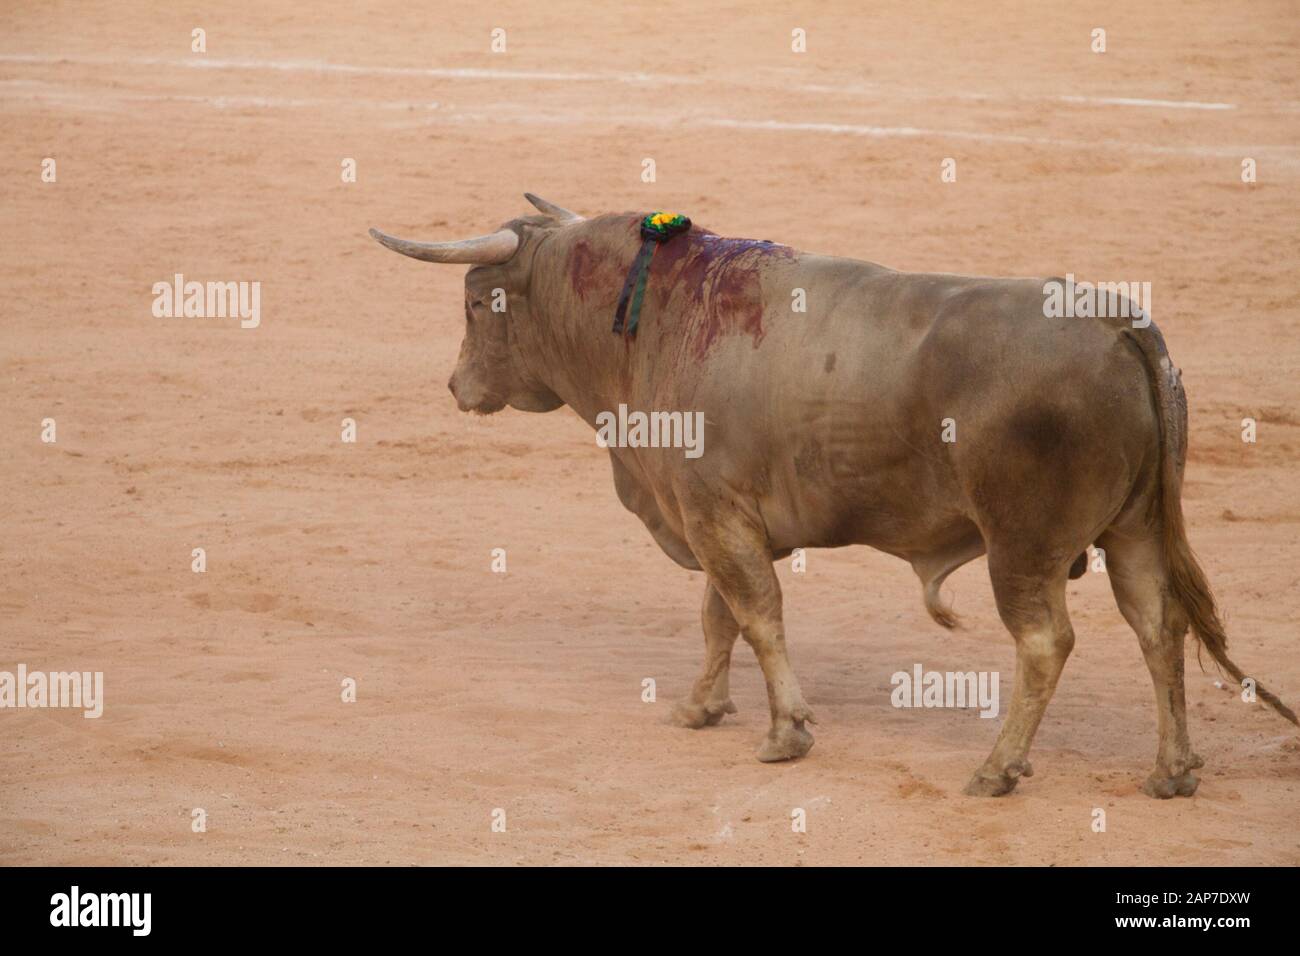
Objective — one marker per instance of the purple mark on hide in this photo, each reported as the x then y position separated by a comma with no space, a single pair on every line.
583,263
711,286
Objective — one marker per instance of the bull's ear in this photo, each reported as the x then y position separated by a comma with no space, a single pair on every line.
552,210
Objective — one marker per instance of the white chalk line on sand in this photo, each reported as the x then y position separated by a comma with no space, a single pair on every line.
1136,101
640,78
534,117
1281,153
84,100
320,66
519,116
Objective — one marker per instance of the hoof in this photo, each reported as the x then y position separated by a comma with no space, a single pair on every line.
1165,784
786,743
988,783
1163,788
695,716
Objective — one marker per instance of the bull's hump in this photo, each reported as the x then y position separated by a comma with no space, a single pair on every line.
711,286
702,287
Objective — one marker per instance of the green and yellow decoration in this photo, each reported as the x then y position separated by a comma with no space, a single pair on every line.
656,228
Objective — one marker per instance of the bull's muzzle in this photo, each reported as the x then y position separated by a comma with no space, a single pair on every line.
470,400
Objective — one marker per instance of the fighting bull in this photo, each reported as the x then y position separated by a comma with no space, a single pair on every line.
937,418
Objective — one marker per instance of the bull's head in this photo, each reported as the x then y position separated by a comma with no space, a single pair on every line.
493,370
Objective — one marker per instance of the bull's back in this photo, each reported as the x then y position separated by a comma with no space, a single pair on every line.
902,408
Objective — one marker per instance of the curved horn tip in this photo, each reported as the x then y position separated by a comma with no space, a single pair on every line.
385,240
492,249
551,209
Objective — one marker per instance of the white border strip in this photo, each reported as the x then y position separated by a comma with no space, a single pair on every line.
647,79
514,116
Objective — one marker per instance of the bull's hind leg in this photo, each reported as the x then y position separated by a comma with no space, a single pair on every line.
733,549
1032,605
711,696
1137,576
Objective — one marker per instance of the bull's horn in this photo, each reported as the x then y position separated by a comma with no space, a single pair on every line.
482,250
557,212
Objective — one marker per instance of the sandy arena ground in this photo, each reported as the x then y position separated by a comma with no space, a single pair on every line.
371,560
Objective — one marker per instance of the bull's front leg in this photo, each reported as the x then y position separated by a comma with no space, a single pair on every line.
733,550
711,696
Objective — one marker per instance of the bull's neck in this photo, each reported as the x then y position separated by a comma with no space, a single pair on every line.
569,343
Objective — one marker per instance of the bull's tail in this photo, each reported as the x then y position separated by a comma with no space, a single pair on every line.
1186,579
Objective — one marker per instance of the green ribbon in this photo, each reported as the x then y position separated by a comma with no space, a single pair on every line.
656,228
